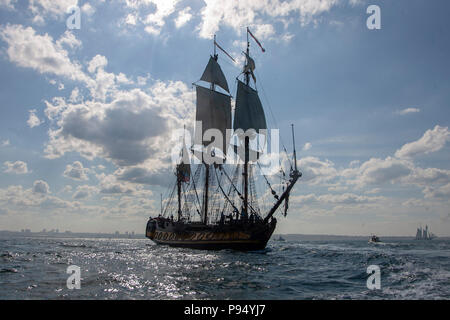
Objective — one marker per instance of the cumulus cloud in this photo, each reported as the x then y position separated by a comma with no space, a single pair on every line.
433,140
428,176
109,185
442,192
41,187
76,171
55,9
183,17
68,39
154,21
33,120
378,171
18,167
133,128
84,192
9,4
236,14
88,9
316,171
36,199
143,176
40,52
98,61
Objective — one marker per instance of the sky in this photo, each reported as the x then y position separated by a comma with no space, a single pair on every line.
87,115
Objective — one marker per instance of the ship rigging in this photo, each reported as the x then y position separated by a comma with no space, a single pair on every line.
215,204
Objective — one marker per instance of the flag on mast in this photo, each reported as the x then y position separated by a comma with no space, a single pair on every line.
217,45
259,44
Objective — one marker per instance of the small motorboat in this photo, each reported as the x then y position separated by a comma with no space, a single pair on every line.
374,239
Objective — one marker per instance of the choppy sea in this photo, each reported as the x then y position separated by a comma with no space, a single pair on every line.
35,268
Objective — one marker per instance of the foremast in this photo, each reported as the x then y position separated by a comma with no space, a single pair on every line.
213,112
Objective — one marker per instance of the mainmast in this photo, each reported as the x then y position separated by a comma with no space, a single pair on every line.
183,173
247,139
205,204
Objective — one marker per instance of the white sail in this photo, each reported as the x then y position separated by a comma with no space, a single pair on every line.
213,74
419,234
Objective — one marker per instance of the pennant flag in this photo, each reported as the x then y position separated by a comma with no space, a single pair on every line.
259,44
286,205
217,45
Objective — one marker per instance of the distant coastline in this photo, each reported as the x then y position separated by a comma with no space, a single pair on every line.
70,234
329,237
116,235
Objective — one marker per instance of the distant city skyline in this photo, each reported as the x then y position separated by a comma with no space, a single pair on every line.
87,115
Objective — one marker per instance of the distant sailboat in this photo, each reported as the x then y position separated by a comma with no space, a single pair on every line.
424,234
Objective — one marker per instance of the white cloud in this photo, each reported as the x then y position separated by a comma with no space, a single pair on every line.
333,199
134,128
88,9
39,52
84,192
109,185
75,95
55,9
161,10
183,17
238,14
33,120
76,171
131,19
5,143
164,8
97,62
442,192
122,78
18,167
41,187
378,171
68,39
307,146
316,171
9,4
432,141
408,111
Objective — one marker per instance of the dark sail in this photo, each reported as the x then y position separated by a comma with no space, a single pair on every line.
214,112
249,113
213,74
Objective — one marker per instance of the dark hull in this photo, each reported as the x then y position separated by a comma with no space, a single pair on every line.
238,236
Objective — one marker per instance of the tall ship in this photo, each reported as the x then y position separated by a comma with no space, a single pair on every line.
215,203
424,234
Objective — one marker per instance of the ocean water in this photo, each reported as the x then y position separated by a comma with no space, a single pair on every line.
35,268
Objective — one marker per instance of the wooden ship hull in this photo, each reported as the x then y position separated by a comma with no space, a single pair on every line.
237,236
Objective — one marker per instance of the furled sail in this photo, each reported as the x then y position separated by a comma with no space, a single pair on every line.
214,112
249,113
213,74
